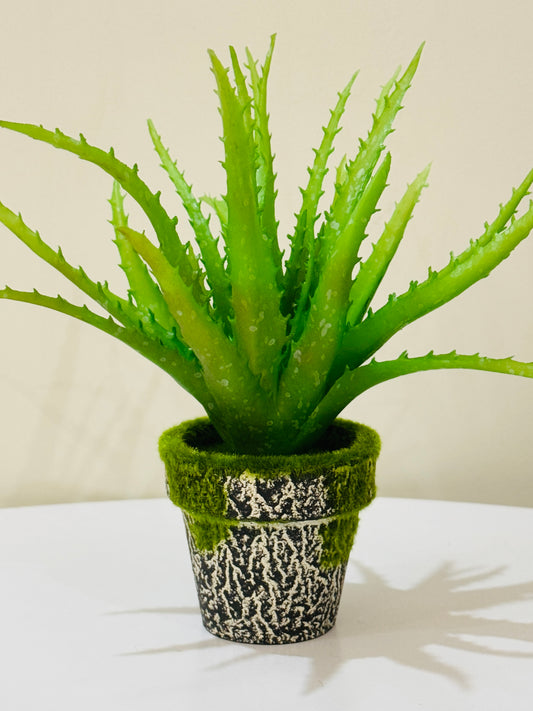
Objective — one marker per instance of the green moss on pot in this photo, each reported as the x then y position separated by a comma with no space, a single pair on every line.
337,537
198,465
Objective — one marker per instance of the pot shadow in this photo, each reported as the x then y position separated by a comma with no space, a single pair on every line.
377,620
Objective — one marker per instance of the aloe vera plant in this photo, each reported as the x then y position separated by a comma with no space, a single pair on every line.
273,349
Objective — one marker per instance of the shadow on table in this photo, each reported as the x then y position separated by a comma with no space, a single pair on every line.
379,621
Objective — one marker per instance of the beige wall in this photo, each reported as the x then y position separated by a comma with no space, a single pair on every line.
80,413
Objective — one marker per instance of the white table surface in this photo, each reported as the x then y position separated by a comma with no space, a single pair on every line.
98,611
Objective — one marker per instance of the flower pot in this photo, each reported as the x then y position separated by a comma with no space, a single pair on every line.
270,536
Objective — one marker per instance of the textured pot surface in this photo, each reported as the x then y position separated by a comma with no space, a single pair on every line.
270,536
265,583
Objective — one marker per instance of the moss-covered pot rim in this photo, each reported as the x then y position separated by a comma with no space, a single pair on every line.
344,443
218,486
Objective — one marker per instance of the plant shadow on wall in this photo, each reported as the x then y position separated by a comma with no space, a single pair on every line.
78,411
441,610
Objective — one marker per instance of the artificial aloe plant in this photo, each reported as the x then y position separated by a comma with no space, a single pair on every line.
272,349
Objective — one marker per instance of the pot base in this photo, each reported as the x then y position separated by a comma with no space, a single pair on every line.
255,588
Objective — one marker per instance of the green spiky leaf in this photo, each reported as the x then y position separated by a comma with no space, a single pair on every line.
128,178
474,263
216,275
373,270
259,326
143,289
300,265
273,352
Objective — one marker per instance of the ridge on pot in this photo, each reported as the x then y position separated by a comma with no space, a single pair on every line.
270,536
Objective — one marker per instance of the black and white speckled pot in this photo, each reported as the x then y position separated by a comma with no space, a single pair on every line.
270,537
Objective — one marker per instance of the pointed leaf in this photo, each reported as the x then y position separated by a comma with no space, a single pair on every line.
164,226
265,177
304,380
475,263
119,308
146,293
359,170
373,269
225,373
302,240
259,326
354,382
185,371
216,275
